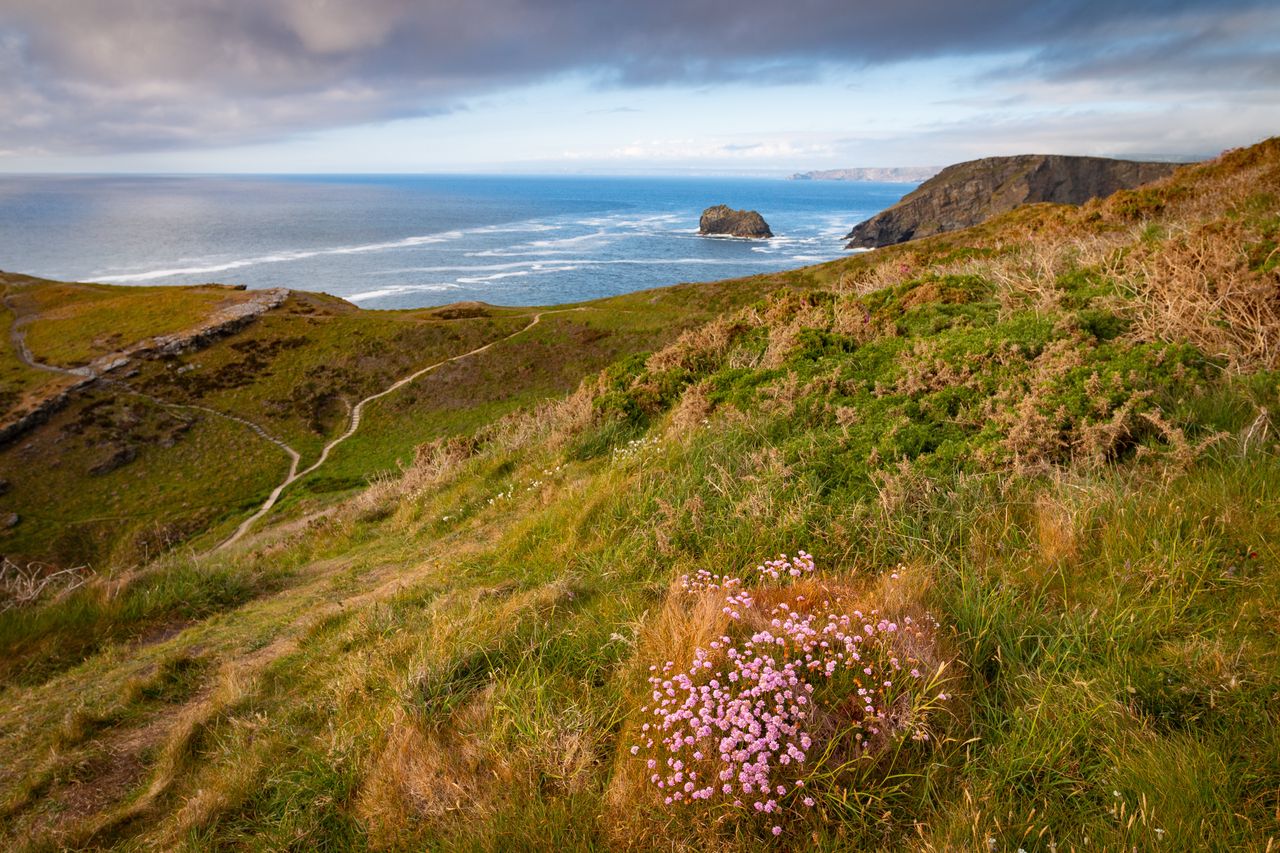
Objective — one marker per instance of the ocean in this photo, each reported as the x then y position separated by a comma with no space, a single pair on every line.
415,241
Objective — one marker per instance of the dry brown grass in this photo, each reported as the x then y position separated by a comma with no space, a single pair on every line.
427,775
1027,268
897,266
1057,529
693,409
786,318
697,346
901,488
1198,287
554,422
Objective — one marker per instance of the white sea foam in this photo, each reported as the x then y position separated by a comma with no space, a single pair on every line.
518,228
542,256
282,257
564,241
365,296
630,220
562,264
199,267
535,270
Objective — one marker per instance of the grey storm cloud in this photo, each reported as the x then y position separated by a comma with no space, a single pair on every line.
109,75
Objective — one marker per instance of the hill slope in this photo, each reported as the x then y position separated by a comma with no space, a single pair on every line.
139,446
1035,464
967,193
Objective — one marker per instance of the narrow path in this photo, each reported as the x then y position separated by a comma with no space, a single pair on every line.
356,412
294,457
18,339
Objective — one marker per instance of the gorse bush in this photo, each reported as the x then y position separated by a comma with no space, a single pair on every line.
798,689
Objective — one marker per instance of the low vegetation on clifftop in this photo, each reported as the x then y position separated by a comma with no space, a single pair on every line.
1013,493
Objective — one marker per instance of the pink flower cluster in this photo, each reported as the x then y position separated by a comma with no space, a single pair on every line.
782,567
734,728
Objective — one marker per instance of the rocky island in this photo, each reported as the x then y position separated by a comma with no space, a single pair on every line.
968,193
724,221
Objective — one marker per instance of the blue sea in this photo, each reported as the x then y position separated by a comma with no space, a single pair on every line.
413,241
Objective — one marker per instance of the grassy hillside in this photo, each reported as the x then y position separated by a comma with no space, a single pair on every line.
146,459
1036,467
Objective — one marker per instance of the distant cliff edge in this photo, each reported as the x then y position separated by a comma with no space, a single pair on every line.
968,193
886,174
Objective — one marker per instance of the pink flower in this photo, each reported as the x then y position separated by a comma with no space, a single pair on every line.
739,711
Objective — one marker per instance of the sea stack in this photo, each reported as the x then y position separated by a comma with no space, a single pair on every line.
724,221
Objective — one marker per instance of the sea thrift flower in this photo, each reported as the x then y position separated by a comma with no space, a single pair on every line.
732,726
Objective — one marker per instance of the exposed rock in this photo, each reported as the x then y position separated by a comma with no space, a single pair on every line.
119,456
10,519
41,412
223,322
968,193
462,311
724,221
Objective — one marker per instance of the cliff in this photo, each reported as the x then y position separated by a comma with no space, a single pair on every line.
968,193
724,221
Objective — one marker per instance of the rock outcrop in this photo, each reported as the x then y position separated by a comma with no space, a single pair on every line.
224,321
968,193
724,221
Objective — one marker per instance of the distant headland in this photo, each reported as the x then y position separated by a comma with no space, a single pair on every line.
881,174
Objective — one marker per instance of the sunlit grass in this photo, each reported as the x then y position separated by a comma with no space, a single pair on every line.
457,658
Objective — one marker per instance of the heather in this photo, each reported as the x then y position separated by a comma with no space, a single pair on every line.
1027,473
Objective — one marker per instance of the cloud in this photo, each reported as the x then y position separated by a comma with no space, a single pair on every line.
122,75
1181,132
689,151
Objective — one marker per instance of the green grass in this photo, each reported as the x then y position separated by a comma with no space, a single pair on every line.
456,659
75,323
295,371
188,470
17,380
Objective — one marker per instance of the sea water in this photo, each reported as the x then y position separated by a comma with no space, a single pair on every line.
412,241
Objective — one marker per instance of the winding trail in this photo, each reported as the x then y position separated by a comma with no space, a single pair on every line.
294,456
18,340
356,412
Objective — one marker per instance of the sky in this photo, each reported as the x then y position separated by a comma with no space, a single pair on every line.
644,86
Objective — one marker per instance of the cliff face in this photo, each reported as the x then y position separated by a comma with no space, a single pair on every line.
724,221
968,193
